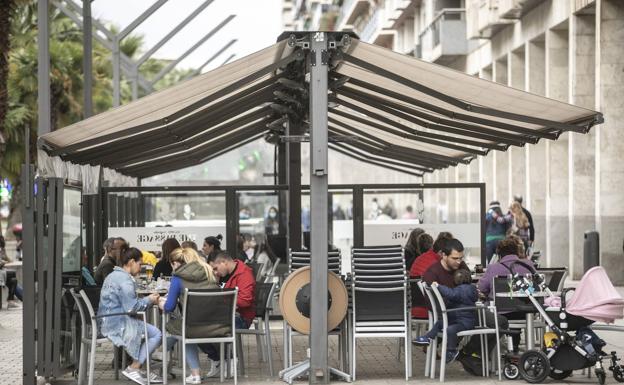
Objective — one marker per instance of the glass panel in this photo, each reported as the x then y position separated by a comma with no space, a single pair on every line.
72,199
262,238
391,215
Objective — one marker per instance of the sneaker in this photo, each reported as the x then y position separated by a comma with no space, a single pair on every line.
471,364
134,375
193,379
154,378
215,369
451,355
422,341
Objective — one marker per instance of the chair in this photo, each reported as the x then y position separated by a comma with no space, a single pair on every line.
264,302
257,270
554,277
208,307
439,307
379,295
418,298
87,301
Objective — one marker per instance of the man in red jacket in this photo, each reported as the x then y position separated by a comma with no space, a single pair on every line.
233,273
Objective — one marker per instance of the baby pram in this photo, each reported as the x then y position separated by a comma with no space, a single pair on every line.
572,344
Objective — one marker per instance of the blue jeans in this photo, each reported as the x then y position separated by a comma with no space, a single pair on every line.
451,333
212,350
152,341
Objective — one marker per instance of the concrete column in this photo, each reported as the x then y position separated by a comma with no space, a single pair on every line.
610,167
557,88
517,164
536,77
581,147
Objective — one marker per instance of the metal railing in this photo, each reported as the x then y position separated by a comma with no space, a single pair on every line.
374,23
431,35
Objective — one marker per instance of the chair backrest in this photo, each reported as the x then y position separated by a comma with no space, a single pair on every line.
434,307
379,284
207,307
87,301
504,300
554,277
264,297
257,269
299,259
417,296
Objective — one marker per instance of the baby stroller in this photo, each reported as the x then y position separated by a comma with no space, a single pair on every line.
572,345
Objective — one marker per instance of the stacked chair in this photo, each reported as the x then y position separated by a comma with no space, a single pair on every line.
380,299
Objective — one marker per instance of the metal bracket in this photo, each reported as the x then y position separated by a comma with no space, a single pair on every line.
293,42
325,56
294,138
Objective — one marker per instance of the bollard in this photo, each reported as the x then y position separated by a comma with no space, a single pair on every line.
591,250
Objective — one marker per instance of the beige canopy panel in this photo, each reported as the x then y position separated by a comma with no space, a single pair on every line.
384,108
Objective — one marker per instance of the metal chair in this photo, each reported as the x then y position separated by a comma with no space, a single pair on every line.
379,295
554,277
269,277
439,306
208,307
418,298
264,302
90,336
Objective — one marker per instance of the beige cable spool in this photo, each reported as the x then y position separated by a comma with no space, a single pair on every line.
294,297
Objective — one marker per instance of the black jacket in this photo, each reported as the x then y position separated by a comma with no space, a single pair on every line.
106,266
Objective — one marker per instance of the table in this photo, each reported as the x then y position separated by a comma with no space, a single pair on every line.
529,317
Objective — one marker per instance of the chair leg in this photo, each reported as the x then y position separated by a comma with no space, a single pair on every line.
443,356
353,356
221,360
235,364
434,352
259,341
82,364
116,352
183,362
239,347
428,361
407,374
92,361
267,342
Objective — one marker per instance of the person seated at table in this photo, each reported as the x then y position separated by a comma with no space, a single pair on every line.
234,273
212,246
464,294
452,259
190,271
119,295
113,248
264,254
412,249
163,267
425,259
509,250
189,244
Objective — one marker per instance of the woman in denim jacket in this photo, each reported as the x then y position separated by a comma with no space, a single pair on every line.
119,296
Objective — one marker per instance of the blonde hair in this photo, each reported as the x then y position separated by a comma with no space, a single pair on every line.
184,255
521,219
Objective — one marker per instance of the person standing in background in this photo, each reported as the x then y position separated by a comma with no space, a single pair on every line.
518,198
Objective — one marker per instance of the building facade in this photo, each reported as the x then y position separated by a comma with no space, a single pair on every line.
571,50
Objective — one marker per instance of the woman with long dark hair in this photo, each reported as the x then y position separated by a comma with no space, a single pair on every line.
264,254
411,248
163,267
212,245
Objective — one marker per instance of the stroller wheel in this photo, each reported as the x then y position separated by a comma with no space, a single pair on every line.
557,374
534,366
618,373
511,371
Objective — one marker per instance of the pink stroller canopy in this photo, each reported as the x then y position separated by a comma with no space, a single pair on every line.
595,298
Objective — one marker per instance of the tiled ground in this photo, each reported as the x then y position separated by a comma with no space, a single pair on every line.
377,359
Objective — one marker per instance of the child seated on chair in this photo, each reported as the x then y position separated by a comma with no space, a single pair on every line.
464,294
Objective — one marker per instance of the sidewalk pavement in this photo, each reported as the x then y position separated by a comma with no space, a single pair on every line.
377,361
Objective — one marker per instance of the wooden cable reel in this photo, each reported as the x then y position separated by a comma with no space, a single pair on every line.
294,300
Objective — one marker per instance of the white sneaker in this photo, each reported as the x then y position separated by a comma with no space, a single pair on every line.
215,369
193,379
134,375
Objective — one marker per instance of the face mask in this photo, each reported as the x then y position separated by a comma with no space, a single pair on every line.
249,252
272,214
